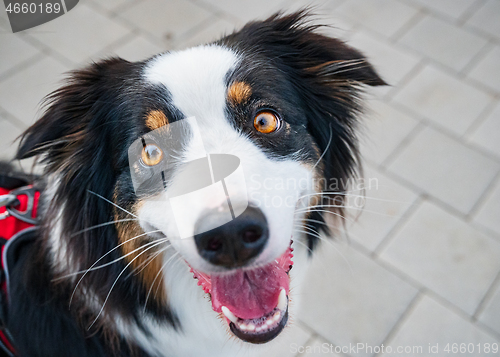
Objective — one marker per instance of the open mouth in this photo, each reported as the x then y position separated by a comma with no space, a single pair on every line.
254,302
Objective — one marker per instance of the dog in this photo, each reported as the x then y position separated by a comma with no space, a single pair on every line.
139,251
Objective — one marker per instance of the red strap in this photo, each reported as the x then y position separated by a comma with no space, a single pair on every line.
11,225
6,343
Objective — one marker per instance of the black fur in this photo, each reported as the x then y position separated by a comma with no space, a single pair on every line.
80,136
84,135
302,74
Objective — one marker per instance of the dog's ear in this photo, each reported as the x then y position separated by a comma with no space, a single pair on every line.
76,114
80,137
294,41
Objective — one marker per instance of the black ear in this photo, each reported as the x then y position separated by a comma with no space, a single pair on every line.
80,134
294,40
76,113
78,137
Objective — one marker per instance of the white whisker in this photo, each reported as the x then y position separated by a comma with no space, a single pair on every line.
144,264
108,263
303,244
330,212
361,209
104,224
326,149
347,194
114,204
97,261
312,230
114,283
315,221
177,260
156,277
331,244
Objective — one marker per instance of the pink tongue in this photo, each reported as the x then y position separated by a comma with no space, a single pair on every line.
249,294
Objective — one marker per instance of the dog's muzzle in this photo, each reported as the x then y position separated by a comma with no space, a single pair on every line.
235,243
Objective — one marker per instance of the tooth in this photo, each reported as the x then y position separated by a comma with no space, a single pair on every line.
282,300
258,329
251,327
243,327
276,316
229,314
269,322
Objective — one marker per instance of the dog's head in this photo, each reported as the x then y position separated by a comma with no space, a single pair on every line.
224,152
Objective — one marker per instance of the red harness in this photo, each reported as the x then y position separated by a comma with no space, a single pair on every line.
18,210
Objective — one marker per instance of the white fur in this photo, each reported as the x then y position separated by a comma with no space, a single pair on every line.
196,80
62,259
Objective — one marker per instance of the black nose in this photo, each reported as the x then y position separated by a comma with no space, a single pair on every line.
235,243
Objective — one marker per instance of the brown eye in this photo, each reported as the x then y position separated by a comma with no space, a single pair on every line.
151,155
266,122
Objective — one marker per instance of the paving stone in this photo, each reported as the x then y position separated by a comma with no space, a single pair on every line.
359,300
79,34
21,94
383,16
431,328
443,42
487,71
486,18
446,255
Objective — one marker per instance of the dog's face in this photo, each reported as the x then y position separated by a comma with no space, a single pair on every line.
243,108
221,152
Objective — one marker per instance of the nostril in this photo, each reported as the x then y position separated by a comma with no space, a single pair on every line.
252,235
214,244
231,244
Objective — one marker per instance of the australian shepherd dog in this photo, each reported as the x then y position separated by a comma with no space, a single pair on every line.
183,195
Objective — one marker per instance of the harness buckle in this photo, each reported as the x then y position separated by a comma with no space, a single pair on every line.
7,200
27,215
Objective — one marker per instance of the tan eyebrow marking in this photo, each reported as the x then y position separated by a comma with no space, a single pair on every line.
239,93
156,119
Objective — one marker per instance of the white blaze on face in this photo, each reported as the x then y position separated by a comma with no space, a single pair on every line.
196,81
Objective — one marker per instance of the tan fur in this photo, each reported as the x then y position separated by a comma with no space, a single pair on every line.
144,264
321,198
239,93
156,119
